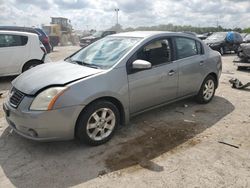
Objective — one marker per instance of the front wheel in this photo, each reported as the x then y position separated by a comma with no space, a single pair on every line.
30,65
207,90
97,123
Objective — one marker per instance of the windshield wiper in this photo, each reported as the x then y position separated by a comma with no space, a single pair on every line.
85,64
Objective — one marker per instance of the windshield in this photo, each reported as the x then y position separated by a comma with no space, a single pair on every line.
98,34
104,53
247,38
217,36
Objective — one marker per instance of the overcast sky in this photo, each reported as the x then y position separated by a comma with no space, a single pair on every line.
99,14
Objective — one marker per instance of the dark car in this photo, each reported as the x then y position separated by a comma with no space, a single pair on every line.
85,41
224,41
41,34
243,59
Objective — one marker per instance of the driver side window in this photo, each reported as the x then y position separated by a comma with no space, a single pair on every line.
156,52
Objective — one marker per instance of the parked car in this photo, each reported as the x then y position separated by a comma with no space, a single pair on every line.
243,35
204,35
20,51
242,61
224,42
41,34
246,39
101,86
85,41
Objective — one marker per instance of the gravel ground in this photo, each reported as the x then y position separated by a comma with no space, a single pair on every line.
173,146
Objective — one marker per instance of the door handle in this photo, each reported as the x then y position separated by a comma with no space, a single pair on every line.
202,62
171,73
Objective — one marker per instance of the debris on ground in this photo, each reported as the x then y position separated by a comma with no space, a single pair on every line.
102,173
221,142
236,83
185,105
1,95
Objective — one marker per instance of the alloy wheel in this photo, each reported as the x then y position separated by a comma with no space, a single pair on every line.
101,124
208,90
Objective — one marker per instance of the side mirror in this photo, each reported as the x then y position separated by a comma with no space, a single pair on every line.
141,64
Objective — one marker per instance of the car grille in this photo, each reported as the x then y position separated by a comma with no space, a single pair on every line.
16,97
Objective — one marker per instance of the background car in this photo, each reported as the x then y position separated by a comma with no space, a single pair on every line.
100,87
246,39
20,51
224,42
41,34
85,41
243,60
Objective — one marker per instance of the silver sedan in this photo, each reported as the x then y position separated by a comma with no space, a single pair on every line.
89,94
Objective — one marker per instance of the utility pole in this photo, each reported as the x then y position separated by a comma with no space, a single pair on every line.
117,12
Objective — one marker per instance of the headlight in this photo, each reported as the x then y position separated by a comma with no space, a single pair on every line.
47,98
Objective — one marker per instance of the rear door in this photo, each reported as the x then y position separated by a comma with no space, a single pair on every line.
12,53
191,62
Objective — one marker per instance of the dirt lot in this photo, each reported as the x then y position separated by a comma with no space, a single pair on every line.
174,146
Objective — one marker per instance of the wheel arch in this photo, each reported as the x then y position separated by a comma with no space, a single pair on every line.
213,74
30,61
113,100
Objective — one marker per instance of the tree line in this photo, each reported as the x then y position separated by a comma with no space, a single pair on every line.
179,28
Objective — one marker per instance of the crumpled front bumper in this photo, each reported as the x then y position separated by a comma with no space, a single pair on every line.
50,125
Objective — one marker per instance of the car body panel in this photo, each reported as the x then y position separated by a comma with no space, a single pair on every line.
59,73
152,87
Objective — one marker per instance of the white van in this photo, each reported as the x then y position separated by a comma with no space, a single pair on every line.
20,51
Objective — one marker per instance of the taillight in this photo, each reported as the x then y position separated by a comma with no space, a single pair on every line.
46,40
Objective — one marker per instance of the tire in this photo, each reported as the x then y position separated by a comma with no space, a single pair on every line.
222,51
203,97
30,65
93,122
241,68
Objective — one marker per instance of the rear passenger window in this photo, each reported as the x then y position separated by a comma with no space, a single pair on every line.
12,40
199,48
186,47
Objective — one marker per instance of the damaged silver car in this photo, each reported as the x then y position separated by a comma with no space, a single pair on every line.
243,59
88,95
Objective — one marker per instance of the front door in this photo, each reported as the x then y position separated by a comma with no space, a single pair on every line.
157,85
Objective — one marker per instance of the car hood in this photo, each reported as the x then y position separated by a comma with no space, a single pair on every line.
49,74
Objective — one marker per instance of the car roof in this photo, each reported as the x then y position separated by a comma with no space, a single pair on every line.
146,34
17,33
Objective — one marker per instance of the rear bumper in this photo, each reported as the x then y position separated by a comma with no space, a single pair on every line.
43,125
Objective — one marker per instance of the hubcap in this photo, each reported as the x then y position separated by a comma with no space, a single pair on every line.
101,124
208,90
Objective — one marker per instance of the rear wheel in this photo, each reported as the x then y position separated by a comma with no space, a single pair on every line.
207,90
97,123
241,68
30,65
